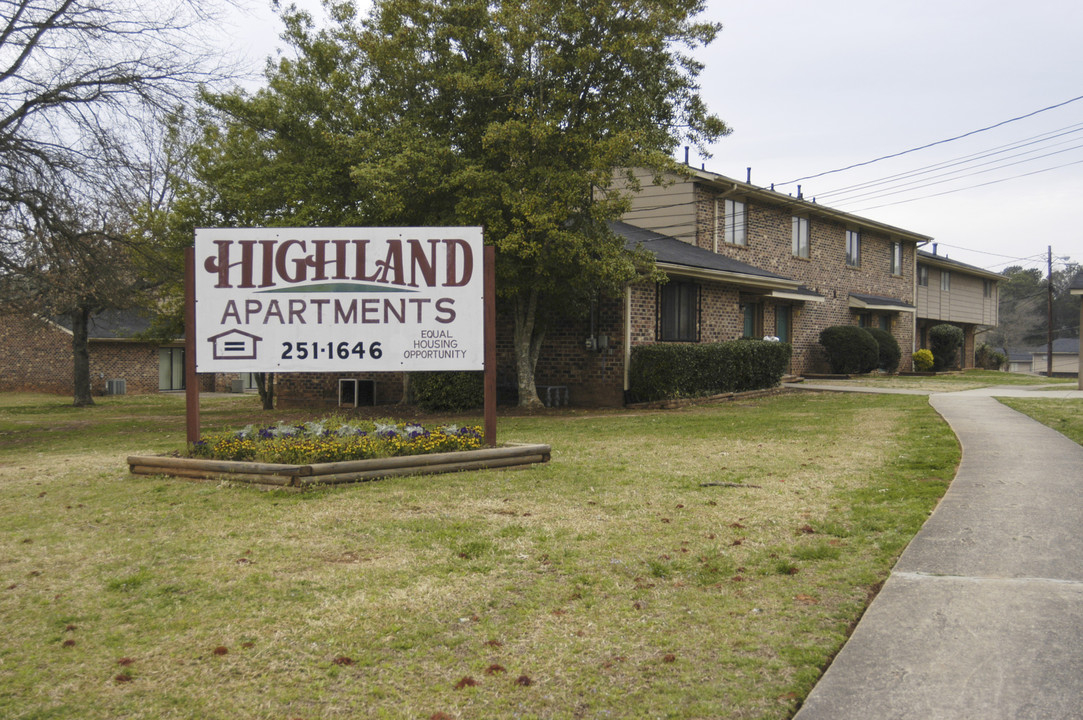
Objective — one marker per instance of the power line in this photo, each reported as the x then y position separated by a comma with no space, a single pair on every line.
969,187
1033,140
933,144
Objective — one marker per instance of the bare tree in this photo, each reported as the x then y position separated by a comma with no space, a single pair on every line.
78,79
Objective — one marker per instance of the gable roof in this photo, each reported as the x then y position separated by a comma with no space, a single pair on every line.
685,259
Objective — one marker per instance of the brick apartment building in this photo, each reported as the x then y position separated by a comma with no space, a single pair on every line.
742,261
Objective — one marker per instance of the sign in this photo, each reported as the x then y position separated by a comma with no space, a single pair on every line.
339,299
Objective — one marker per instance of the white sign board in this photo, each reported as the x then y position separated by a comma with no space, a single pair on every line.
339,299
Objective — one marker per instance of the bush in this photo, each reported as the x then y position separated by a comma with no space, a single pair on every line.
454,391
944,342
923,360
987,358
671,370
890,354
850,349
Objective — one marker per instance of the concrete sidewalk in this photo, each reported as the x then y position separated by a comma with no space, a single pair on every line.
982,617
1031,391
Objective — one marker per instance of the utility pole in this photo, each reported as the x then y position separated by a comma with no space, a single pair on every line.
1049,321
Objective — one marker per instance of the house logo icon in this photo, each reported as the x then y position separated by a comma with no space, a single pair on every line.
234,345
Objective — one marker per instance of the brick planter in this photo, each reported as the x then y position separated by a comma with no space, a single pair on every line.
300,477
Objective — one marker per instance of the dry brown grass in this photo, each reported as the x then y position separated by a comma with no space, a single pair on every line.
609,583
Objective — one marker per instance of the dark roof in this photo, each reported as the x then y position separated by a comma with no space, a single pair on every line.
804,290
881,300
1077,283
110,324
955,264
1023,355
1063,345
675,252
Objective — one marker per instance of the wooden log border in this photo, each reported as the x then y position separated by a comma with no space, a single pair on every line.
299,477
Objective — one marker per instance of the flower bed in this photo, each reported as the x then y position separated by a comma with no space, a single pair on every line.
332,452
331,440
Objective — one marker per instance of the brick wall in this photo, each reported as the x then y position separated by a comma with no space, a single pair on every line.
37,357
770,247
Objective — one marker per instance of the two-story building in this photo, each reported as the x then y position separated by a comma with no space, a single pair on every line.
850,270
742,261
949,291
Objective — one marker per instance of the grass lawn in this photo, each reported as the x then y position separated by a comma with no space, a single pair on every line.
609,583
965,380
1064,416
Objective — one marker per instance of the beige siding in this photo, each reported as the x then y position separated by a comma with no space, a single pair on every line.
965,302
666,209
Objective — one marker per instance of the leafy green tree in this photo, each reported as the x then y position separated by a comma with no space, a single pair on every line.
1024,311
515,116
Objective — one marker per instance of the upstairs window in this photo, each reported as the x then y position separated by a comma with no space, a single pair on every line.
800,237
678,312
735,231
853,248
945,281
896,258
987,288
923,275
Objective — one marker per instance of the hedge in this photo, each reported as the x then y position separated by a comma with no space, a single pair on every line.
850,349
671,370
448,390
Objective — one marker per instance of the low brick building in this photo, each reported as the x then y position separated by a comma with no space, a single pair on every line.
36,356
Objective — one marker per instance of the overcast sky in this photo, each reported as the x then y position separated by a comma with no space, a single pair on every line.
811,87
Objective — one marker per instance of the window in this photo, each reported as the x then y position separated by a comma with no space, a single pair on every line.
735,231
800,237
885,323
782,322
171,368
678,312
753,317
864,320
896,258
945,281
987,288
853,248
923,275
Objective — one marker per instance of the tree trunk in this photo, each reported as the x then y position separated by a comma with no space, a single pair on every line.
528,336
265,384
80,321
407,390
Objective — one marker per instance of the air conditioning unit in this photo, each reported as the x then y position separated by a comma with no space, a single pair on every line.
118,386
236,386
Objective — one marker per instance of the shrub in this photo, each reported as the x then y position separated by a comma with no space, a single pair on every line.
454,391
944,342
923,360
987,358
670,370
890,354
850,349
